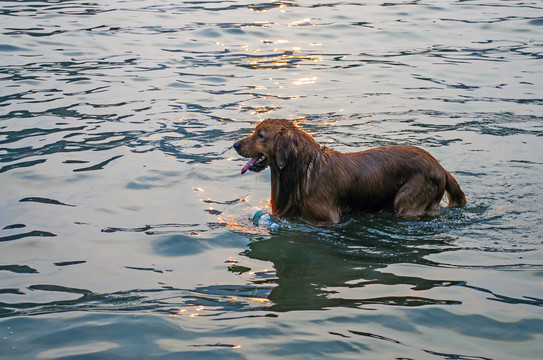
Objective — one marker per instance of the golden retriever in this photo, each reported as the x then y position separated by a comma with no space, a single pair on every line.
318,185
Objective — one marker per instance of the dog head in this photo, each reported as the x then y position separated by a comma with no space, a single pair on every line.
272,143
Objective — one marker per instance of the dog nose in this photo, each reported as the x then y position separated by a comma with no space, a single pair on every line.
237,145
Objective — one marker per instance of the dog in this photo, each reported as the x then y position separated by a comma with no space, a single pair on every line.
318,185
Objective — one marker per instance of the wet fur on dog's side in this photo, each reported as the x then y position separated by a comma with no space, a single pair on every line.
318,185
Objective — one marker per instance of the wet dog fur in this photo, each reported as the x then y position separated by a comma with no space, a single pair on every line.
318,185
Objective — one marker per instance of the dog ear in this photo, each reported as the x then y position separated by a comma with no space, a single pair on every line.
285,148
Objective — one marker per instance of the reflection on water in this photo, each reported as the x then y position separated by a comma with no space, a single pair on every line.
320,268
283,60
124,222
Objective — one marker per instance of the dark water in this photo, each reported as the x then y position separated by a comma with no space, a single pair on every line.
123,217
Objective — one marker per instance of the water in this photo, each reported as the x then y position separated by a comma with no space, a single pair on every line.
124,229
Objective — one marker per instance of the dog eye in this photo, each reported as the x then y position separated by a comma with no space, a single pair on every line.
260,136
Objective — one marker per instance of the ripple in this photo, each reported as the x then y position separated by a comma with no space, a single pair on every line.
44,201
21,165
78,350
34,233
99,166
116,129
14,226
475,325
11,48
69,263
18,269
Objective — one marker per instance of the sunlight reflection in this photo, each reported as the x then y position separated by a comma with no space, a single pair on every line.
303,22
234,223
270,96
259,24
245,229
247,299
192,311
180,312
279,58
267,7
262,300
306,80
258,110
283,60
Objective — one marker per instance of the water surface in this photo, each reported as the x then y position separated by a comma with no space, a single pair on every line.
124,228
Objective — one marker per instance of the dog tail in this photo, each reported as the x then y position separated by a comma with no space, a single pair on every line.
454,193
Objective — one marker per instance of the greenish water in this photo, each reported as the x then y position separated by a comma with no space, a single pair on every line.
124,230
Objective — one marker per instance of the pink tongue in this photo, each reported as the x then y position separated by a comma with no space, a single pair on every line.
249,164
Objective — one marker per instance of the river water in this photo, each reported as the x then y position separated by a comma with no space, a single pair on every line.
124,230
